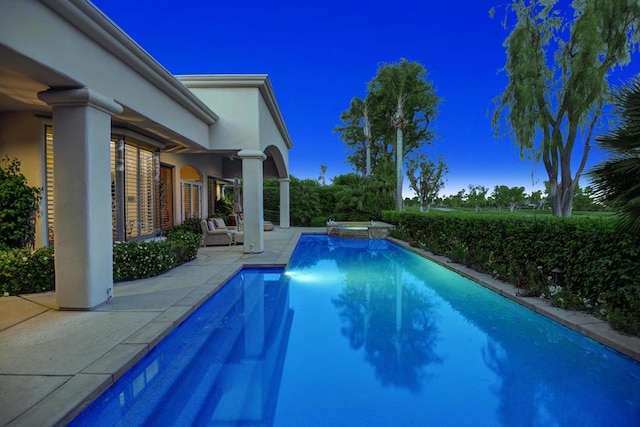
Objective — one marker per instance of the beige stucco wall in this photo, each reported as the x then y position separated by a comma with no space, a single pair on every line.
22,137
269,133
238,125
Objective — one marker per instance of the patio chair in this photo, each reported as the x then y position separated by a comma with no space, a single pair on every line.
218,226
215,236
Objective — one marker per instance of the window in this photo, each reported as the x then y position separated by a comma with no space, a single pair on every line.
166,197
139,190
134,190
191,185
48,197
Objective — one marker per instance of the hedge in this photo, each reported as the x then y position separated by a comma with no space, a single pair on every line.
24,271
600,263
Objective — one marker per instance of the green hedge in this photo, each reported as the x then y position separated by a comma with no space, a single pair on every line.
26,271
600,263
23,271
137,260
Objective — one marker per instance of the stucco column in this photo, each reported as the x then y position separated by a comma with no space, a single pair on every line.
284,202
252,198
82,186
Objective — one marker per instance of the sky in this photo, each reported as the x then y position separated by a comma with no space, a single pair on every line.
319,55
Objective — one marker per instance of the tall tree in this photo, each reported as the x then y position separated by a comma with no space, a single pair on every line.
321,179
426,178
511,196
616,181
477,196
352,134
557,68
536,199
406,100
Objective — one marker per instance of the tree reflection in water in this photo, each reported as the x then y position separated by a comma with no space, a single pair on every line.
385,313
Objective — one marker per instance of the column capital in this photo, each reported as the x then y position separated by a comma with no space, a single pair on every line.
79,97
287,179
252,154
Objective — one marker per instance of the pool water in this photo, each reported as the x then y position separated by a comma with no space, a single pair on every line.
366,333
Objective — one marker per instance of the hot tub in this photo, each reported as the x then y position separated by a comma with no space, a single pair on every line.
359,230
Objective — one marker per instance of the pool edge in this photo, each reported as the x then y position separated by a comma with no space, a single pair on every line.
583,323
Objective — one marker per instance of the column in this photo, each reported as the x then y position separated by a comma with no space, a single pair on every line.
252,198
284,202
82,187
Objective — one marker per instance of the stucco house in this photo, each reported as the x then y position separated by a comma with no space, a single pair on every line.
121,147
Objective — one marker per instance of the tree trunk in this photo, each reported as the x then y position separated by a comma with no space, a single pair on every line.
399,155
561,194
367,158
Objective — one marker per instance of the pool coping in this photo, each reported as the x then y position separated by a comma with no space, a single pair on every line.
584,323
76,391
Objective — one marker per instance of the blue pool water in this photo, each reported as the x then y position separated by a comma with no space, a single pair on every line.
366,333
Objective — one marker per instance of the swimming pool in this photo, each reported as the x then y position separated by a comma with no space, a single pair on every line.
364,332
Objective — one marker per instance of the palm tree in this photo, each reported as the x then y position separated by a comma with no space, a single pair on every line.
410,101
616,181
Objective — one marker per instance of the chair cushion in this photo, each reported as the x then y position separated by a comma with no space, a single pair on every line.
219,223
211,225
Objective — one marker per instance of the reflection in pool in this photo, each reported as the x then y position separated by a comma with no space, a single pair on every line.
363,332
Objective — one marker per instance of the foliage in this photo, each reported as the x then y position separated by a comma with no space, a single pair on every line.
428,182
600,265
360,198
191,225
477,196
185,245
223,207
401,96
304,201
356,134
617,180
23,271
507,196
138,259
557,68
19,205
318,221
392,121
348,197
271,200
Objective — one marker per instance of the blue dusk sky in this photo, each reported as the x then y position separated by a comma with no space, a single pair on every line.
319,55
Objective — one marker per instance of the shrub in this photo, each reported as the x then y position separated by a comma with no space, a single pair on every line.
185,245
137,259
19,205
318,221
23,271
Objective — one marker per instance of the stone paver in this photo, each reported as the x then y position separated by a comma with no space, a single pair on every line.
22,392
54,363
16,310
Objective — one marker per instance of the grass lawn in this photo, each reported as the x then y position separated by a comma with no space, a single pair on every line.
506,211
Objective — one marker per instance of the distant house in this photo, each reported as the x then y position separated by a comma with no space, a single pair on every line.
122,148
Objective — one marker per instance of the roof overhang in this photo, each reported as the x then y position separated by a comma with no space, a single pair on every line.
97,26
